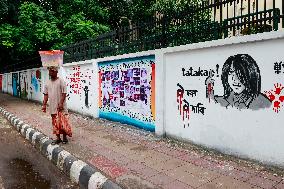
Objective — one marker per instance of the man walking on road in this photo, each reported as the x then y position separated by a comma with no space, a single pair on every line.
55,91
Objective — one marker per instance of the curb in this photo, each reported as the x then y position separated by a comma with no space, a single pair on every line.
87,176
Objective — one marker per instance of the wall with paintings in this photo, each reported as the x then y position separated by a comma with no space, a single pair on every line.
9,83
81,87
5,83
228,96
16,84
127,91
37,78
24,84
27,84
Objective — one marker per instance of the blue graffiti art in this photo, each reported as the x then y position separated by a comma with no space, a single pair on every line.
35,83
15,84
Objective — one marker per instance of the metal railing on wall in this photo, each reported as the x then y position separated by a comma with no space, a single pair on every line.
30,63
204,21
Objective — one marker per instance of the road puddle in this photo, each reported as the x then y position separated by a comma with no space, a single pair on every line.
26,176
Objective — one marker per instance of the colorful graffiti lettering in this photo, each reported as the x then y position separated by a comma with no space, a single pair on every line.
183,105
276,96
185,109
75,79
79,83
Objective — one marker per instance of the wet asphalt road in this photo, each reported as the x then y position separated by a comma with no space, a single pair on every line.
23,167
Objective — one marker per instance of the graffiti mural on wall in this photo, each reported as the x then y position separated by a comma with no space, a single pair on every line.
16,84
9,83
127,91
36,83
184,107
240,81
24,84
79,82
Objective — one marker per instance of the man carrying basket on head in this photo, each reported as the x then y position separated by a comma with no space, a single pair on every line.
55,91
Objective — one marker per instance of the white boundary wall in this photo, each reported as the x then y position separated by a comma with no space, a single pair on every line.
254,134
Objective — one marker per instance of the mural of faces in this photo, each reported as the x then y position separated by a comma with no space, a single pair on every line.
126,89
242,84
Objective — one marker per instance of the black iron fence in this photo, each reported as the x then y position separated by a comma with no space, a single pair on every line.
205,21
208,20
30,63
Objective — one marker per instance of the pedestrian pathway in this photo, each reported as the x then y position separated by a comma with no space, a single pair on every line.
137,159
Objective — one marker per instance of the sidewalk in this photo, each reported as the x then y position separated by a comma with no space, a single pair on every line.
136,159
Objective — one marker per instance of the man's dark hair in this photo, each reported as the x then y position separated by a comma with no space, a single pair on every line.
246,70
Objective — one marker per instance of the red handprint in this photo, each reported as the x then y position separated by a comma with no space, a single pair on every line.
276,106
270,95
275,98
278,88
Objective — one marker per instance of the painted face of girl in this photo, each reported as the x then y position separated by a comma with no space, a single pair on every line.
234,81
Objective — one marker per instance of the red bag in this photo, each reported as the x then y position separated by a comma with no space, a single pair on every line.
63,123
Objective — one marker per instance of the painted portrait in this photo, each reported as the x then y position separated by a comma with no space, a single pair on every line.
241,81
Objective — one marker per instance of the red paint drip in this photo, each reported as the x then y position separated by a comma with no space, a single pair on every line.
210,89
38,74
179,99
186,111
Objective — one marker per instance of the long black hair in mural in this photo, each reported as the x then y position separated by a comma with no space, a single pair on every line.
241,80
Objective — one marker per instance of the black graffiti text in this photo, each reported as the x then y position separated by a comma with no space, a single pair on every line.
199,72
198,109
279,67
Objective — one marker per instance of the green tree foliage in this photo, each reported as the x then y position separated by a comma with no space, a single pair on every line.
188,21
8,33
78,28
30,25
38,29
123,12
27,26
183,8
